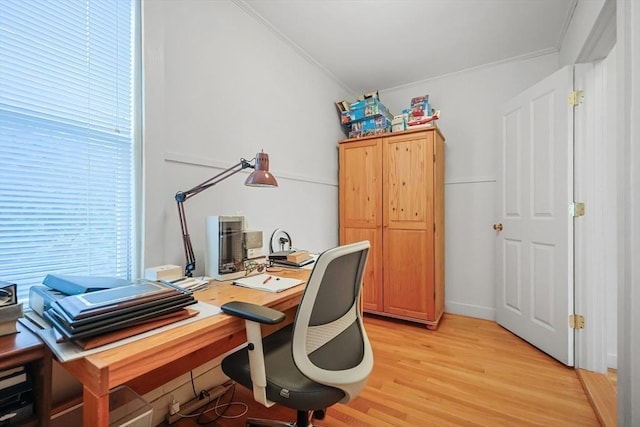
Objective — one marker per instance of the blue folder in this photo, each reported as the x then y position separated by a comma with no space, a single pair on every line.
74,285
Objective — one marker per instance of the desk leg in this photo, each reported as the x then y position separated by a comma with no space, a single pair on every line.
95,411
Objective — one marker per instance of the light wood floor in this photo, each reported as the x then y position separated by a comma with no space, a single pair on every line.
469,372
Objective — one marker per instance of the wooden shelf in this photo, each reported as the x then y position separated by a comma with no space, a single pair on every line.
25,348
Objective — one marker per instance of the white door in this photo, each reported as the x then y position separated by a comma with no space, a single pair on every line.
534,230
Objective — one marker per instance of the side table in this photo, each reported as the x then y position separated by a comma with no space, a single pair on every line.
26,349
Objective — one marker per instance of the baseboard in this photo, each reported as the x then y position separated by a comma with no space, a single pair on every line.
479,312
602,396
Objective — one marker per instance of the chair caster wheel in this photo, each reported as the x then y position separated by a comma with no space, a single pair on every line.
319,414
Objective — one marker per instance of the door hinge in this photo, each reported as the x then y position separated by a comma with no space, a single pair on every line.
576,97
576,209
576,321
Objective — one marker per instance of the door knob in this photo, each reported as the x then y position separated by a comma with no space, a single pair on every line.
497,227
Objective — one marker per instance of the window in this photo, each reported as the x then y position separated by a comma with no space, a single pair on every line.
67,139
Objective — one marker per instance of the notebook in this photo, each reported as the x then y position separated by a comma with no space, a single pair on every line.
268,282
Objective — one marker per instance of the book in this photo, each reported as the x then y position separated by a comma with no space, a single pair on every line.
292,264
95,303
10,312
280,254
293,258
11,371
268,282
12,392
299,256
14,379
8,328
74,285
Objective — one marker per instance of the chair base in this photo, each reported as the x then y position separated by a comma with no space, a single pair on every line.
304,419
268,423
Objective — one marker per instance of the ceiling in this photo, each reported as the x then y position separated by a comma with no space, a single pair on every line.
381,44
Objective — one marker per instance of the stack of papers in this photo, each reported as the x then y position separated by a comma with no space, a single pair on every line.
189,283
94,313
268,282
292,259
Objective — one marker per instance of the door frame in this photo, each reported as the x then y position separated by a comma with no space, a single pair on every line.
628,173
593,154
594,233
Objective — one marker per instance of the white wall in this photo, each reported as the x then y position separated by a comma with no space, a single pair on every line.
469,102
220,86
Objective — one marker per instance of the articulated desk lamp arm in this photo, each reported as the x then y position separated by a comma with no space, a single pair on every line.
260,177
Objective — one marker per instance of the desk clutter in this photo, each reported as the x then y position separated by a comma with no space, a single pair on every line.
369,116
291,258
93,311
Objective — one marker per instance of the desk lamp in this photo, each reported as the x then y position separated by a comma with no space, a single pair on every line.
260,177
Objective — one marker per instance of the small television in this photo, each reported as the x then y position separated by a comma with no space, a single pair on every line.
225,249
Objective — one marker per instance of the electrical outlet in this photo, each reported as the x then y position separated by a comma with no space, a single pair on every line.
174,407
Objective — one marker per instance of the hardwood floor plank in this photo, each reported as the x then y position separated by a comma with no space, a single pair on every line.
468,372
601,392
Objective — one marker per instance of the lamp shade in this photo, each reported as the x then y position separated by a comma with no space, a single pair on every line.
261,177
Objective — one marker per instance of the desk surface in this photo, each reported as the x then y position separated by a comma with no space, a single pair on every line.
208,338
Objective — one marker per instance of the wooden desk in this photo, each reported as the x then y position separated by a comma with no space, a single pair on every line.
153,361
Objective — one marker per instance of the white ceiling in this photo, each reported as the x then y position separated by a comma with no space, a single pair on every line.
380,44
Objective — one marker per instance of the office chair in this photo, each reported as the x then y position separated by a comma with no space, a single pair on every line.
323,357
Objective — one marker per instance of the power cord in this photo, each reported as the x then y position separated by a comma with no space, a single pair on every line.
217,406
193,384
225,407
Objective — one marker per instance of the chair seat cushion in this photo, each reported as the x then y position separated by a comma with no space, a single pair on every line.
285,383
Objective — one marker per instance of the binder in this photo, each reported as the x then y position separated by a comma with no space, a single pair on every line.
114,323
119,299
41,297
127,313
74,285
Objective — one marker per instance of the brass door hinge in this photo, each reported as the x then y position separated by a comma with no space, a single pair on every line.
576,209
576,97
576,321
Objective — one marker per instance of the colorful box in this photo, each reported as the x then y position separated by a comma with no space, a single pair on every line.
399,123
420,106
364,108
370,126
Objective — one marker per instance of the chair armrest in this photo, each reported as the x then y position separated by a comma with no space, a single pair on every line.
253,312
253,316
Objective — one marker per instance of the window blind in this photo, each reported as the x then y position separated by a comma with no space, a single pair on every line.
67,139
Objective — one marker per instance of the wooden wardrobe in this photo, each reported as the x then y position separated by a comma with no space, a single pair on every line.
392,194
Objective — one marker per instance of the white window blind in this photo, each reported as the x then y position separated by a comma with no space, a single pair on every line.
67,139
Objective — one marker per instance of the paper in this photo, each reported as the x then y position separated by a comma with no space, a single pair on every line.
192,284
268,282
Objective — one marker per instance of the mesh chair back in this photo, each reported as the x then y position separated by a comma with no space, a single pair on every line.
330,344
